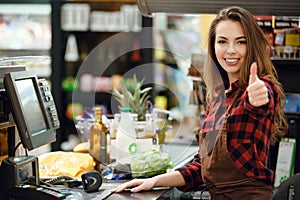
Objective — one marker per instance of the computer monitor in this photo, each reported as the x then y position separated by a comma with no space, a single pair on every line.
292,103
32,107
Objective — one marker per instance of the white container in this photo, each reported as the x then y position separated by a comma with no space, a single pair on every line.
132,137
75,16
125,142
125,126
71,54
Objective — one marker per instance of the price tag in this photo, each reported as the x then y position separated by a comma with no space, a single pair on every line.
285,160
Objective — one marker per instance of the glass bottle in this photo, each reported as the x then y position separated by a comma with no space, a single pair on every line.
98,138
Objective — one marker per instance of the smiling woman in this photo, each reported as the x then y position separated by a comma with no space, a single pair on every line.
230,47
244,115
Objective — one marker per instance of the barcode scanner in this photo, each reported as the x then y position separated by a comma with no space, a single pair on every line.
91,181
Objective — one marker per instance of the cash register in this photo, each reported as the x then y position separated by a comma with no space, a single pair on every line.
33,112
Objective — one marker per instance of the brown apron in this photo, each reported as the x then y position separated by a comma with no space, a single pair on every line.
222,178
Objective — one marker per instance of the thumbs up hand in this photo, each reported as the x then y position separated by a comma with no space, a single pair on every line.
257,90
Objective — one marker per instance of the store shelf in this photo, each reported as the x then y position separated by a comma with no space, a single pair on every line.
23,8
5,125
23,52
293,62
105,1
86,41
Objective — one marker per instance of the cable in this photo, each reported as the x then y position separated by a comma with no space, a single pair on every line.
30,180
16,147
60,180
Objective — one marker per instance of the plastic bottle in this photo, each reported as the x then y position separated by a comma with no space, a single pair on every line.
126,124
125,138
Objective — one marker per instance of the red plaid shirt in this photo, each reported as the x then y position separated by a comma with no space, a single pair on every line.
248,135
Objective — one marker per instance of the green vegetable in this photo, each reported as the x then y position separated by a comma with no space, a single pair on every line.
150,163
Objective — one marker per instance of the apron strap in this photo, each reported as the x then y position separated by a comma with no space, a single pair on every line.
233,100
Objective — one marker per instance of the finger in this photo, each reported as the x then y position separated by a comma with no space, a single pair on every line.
258,103
136,189
257,88
118,189
258,98
253,73
124,186
257,93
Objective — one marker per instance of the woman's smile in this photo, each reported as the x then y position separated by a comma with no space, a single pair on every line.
231,61
230,47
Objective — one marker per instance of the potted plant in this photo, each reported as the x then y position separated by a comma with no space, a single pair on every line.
130,93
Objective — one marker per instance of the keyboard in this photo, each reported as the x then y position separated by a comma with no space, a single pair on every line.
30,192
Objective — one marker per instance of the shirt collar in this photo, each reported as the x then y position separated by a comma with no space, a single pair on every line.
235,86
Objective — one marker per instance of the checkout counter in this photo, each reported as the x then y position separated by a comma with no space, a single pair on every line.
181,151
180,155
12,168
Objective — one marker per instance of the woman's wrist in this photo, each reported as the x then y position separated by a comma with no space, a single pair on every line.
155,180
171,179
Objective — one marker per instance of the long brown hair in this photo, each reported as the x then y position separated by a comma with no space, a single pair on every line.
258,50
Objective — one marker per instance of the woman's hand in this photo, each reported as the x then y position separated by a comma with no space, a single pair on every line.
136,185
257,90
170,179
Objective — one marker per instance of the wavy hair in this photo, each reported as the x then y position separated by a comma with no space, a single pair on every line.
258,50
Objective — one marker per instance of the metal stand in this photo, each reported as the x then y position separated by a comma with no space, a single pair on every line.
15,170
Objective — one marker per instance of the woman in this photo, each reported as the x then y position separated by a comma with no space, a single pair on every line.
237,132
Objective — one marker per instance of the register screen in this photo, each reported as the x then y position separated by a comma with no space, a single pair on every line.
31,106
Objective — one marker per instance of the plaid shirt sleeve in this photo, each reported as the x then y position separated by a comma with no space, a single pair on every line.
249,131
191,173
248,134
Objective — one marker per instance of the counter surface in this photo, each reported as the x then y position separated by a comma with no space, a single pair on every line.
180,155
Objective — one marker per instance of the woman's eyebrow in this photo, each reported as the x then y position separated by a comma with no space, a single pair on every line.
238,38
222,37
241,37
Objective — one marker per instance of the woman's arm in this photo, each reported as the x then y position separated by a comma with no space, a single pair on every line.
171,179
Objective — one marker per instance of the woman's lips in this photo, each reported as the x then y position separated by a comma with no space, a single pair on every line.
231,61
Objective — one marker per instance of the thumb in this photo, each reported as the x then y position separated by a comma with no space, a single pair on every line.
253,73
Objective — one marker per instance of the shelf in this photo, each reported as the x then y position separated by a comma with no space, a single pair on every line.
87,40
103,1
286,59
12,53
27,9
286,62
4,125
90,32
23,49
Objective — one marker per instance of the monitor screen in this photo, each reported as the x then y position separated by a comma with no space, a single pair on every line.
32,107
292,102
292,113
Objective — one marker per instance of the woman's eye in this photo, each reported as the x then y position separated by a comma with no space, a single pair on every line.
221,41
242,42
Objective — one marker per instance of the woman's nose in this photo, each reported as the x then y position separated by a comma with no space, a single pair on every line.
231,48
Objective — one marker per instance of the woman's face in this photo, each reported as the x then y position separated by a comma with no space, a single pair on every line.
230,47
